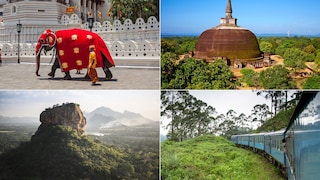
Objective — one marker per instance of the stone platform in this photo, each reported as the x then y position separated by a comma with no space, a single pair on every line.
16,76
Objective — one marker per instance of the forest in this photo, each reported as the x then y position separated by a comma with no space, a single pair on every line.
190,117
123,10
179,70
131,153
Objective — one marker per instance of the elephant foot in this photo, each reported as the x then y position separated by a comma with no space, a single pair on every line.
51,74
108,73
67,76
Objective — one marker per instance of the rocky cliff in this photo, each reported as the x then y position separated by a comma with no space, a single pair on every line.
68,114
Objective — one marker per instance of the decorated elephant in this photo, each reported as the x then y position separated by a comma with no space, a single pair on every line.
72,51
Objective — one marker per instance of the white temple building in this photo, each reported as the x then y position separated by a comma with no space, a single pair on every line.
130,40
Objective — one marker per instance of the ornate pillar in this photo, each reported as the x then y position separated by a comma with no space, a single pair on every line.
94,13
84,10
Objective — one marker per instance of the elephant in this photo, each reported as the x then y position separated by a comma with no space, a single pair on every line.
72,51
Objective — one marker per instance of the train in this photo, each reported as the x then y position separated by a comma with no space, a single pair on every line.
296,149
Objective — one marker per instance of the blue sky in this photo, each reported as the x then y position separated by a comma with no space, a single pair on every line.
260,16
30,103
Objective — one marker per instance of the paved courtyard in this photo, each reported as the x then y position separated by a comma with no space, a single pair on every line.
22,76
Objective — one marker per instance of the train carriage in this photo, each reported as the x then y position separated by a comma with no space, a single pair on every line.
298,147
302,139
274,147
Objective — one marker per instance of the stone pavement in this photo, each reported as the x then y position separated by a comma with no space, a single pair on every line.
22,76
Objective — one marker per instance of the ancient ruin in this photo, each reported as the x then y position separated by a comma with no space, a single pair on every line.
237,45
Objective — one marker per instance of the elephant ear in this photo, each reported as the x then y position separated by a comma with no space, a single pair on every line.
51,39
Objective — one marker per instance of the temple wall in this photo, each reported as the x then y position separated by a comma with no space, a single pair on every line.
130,40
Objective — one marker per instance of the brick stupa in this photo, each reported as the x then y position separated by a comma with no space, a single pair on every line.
228,41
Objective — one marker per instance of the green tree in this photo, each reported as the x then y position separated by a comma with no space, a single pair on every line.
265,46
312,82
279,99
168,69
167,46
260,113
216,75
283,44
250,77
310,49
276,77
316,42
295,58
188,70
317,58
133,9
170,110
189,117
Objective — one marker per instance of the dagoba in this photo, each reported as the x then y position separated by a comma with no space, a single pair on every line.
228,41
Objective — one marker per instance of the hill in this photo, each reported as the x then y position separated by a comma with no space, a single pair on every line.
59,149
280,121
60,153
211,157
103,117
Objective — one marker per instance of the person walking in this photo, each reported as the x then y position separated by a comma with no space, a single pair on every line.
92,65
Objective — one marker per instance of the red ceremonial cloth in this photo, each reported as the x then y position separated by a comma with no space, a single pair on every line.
73,49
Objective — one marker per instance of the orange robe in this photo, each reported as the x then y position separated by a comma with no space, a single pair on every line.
92,67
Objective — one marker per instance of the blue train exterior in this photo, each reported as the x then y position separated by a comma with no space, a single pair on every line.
267,144
303,139
296,150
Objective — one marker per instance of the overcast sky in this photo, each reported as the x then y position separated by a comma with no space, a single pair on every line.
32,103
260,16
224,100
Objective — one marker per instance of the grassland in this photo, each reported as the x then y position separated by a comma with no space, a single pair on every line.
211,157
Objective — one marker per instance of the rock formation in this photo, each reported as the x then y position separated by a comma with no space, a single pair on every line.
68,114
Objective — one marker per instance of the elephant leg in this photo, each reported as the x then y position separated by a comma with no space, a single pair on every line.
67,76
108,73
54,67
106,70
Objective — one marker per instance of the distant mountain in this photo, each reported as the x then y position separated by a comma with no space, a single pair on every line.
103,117
286,35
19,121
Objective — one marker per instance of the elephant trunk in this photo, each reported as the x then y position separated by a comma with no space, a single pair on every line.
37,65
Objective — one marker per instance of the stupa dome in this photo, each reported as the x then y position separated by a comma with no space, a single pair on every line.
228,41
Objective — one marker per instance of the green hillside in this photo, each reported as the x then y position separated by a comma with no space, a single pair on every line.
60,153
280,121
211,157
